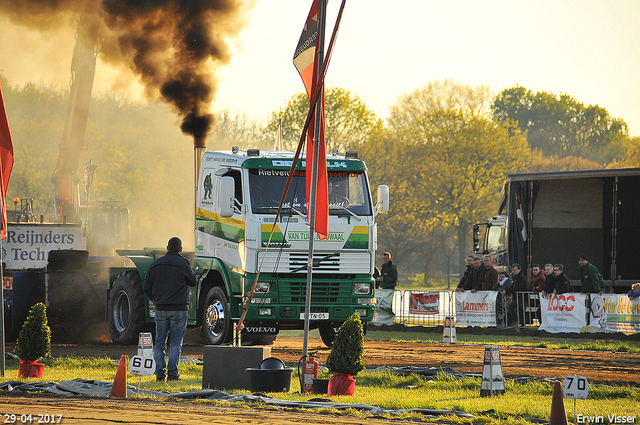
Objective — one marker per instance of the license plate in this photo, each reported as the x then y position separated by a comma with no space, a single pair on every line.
316,316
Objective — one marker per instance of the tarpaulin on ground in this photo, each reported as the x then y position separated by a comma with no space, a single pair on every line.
102,389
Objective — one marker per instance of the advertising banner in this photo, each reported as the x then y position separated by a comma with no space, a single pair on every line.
476,309
28,245
424,303
564,312
615,312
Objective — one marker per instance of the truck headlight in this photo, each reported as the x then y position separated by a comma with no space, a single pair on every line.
264,311
362,312
362,288
262,287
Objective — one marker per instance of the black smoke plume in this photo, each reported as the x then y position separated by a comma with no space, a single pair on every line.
173,46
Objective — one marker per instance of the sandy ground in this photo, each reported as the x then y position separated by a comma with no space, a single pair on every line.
598,367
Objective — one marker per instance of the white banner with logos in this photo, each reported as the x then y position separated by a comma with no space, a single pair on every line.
476,309
563,312
614,312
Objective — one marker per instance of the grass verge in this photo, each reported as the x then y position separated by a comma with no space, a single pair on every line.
386,390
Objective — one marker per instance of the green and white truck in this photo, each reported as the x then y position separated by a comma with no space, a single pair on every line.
237,199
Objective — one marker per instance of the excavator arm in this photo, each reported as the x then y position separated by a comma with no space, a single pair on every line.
83,66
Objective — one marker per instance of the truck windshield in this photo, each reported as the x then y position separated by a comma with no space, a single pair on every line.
496,240
347,190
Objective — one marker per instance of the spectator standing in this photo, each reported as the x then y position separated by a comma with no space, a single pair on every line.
538,279
466,276
592,281
504,283
549,280
519,285
562,285
166,284
490,276
388,273
634,292
477,274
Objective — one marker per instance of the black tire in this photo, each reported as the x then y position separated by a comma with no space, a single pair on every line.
328,333
126,308
216,320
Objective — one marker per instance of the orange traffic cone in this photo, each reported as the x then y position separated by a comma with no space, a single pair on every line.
558,416
119,387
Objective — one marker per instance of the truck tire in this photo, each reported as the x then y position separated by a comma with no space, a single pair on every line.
328,333
126,308
216,320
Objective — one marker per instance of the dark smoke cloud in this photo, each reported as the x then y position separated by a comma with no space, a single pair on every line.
173,46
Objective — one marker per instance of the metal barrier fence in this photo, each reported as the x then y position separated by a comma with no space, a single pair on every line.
519,309
402,306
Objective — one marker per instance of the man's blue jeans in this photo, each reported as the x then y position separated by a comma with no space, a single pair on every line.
173,324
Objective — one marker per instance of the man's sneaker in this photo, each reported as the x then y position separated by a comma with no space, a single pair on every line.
173,378
159,378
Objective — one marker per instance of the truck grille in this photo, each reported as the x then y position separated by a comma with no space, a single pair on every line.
342,262
294,292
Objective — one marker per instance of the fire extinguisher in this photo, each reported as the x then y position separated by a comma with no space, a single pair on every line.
310,373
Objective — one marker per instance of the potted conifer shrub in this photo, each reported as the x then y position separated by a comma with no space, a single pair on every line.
345,359
34,342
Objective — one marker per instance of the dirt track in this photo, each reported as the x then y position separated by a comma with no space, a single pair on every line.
598,367
602,367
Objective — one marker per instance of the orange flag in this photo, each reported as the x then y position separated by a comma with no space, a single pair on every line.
304,60
6,161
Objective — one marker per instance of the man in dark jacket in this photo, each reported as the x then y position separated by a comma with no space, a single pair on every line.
490,276
591,278
477,275
562,285
166,284
519,285
388,273
467,275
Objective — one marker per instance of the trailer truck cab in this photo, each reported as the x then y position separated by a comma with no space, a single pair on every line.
239,240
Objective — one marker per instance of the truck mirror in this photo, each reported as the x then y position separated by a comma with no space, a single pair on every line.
476,238
226,195
383,199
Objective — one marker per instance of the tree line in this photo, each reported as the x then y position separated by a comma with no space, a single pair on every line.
444,151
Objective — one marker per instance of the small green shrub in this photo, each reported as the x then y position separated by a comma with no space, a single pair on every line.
34,340
347,348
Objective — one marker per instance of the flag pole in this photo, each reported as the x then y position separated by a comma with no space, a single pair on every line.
322,12
2,338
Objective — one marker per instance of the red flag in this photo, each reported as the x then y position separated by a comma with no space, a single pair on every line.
304,60
6,161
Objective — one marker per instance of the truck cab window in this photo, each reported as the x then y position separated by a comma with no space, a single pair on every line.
496,238
238,183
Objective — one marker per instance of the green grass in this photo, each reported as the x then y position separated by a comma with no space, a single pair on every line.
383,389
601,344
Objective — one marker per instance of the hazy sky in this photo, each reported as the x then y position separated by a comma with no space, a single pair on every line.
588,49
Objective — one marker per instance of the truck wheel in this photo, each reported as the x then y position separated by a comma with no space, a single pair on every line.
328,333
126,308
216,320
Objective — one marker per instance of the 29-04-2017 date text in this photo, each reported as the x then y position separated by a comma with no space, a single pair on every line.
40,418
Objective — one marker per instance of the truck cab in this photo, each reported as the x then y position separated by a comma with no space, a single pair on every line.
242,247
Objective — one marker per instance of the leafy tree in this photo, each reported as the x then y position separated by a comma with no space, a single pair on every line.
632,155
348,121
562,126
237,130
456,157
